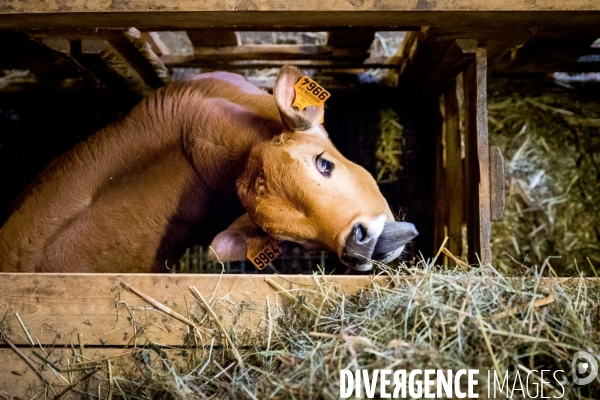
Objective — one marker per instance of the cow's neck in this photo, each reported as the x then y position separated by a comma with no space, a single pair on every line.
219,142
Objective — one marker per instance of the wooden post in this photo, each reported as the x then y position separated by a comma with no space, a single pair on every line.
454,171
441,186
477,154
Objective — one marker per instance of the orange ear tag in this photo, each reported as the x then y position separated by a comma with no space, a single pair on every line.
309,93
261,252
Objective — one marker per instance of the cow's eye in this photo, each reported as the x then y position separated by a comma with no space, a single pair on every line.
324,166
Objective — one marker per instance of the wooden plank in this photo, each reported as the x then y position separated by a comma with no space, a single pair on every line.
277,52
148,15
497,186
18,380
477,160
420,60
138,54
55,308
212,37
65,53
154,40
460,53
314,64
305,6
441,187
544,54
106,63
454,171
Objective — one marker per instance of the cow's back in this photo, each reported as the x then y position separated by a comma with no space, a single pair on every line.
132,193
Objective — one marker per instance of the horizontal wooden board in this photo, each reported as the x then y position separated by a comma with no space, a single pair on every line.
62,6
305,16
19,380
275,52
55,308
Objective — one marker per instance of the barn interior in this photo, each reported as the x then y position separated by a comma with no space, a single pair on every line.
418,88
60,85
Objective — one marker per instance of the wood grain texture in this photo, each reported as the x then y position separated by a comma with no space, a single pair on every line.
18,380
458,55
70,6
101,58
330,14
55,308
454,171
498,197
477,166
277,52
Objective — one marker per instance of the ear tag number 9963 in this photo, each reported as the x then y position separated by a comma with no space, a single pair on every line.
261,254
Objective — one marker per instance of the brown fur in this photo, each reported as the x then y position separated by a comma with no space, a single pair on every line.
173,172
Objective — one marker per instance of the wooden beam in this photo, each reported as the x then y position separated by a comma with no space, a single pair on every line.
545,53
138,54
64,51
276,52
458,55
186,14
477,164
108,65
497,185
313,64
454,170
158,46
55,308
420,58
441,187
299,6
18,380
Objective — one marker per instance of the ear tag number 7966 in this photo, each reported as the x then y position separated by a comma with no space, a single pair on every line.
309,93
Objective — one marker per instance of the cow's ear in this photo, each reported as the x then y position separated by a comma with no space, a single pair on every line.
230,245
293,118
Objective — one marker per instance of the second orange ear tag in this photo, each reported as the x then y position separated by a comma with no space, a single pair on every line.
261,252
309,93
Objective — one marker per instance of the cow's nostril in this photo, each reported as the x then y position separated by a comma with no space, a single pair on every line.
360,233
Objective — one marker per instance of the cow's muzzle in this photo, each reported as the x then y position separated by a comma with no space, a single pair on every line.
362,247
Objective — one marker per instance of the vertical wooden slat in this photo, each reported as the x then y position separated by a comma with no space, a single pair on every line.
477,166
497,183
441,188
454,171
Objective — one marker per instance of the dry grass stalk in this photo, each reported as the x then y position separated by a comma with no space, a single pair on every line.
77,364
24,357
198,296
166,309
430,318
25,329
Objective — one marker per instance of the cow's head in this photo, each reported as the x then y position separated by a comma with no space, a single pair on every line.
298,187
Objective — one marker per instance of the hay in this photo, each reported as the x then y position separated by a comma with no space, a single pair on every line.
426,317
389,147
551,145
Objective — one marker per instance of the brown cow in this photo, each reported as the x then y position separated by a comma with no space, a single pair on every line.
194,159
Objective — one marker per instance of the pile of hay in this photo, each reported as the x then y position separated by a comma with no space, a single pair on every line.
551,145
390,147
426,317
